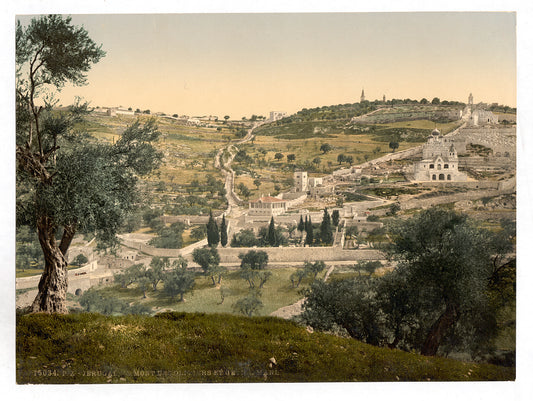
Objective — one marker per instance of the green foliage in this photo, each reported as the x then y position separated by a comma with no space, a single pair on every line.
199,232
309,238
249,304
335,217
301,224
272,236
369,267
349,304
252,270
326,234
80,260
244,190
92,301
156,272
28,251
244,239
213,236
169,237
223,232
325,148
314,268
178,281
435,300
130,275
209,261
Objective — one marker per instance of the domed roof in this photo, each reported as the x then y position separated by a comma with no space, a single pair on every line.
435,132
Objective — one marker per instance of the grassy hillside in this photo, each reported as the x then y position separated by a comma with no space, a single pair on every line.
179,347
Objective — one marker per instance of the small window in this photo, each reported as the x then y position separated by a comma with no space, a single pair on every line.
445,166
431,166
434,177
438,167
449,177
441,177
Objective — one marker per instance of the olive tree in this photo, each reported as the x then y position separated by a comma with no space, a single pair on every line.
67,182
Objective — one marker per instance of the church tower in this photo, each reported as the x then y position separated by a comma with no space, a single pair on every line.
363,96
470,101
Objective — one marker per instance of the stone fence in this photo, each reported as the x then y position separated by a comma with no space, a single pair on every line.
33,281
275,255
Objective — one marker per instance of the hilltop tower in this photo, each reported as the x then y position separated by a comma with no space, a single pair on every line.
384,100
470,101
363,96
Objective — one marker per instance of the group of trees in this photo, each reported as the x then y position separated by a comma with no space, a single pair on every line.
253,265
214,235
209,261
176,278
342,158
440,297
323,235
309,270
268,236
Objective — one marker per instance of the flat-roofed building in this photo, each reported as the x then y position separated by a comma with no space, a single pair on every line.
267,206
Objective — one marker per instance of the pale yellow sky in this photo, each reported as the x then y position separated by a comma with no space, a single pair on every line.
243,64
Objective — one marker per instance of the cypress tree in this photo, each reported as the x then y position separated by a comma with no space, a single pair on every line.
309,238
213,237
326,235
335,217
271,236
223,232
301,224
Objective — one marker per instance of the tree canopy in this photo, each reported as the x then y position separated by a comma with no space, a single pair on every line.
67,182
440,296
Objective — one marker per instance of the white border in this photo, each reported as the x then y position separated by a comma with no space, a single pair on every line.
522,389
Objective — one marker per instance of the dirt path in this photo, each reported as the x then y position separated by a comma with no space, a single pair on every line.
288,312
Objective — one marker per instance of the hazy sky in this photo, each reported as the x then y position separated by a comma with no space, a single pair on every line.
243,64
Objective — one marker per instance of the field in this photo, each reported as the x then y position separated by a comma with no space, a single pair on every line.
206,298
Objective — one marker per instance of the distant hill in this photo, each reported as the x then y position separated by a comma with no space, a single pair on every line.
179,347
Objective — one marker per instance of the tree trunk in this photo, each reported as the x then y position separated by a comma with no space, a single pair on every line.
439,328
52,294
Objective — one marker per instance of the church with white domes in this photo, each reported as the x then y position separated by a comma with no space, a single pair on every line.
439,161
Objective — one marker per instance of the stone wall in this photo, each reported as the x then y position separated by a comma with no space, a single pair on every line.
300,255
276,255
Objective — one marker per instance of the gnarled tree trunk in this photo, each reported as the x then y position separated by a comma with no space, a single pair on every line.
52,294
439,328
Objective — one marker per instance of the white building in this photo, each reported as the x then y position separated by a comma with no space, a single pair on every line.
267,206
277,115
439,161
301,181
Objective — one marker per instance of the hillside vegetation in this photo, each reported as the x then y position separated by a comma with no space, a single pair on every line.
179,347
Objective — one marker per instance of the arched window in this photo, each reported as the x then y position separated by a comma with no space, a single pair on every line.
445,166
449,177
438,166
431,166
433,177
441,177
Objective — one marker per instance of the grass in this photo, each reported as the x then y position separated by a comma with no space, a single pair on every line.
178,347
206,298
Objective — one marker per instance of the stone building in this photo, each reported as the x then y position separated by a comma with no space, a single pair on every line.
267,206
439,161
301,181
277,115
